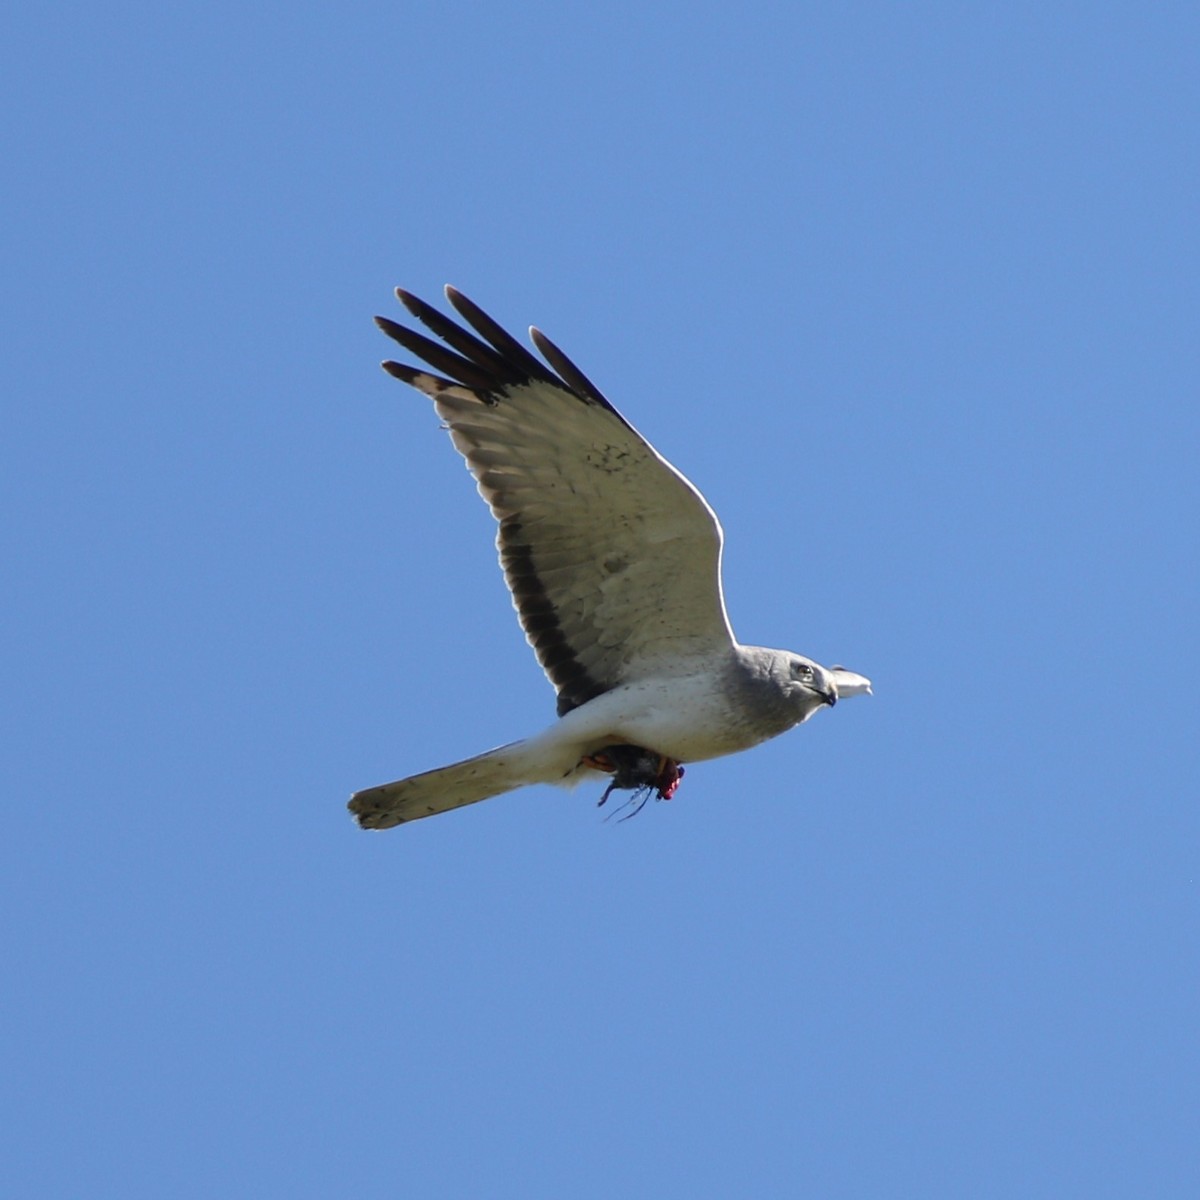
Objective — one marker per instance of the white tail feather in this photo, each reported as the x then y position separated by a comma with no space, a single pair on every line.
440,790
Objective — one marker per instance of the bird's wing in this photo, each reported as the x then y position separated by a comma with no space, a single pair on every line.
613,558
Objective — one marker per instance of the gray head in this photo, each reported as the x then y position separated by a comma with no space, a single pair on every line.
806,685
798,686
810,686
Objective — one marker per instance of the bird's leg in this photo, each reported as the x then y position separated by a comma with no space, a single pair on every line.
599,762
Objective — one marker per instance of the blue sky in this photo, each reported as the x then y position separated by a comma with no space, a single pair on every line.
910,292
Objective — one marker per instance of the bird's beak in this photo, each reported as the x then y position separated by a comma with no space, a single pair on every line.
830,697
849,683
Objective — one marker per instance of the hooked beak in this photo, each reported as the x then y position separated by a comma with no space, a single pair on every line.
830,697
849,683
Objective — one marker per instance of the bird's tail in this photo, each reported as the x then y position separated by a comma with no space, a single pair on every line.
440,790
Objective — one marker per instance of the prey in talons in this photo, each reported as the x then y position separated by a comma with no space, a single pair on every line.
633,768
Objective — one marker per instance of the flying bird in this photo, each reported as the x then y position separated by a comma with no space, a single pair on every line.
613,560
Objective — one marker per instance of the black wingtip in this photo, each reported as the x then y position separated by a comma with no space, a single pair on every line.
453,366
575,379
400,371
414,304
503,341
484,357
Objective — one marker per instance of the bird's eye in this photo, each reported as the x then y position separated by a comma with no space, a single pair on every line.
804,671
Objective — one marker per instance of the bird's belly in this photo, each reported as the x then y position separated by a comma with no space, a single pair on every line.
688,719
